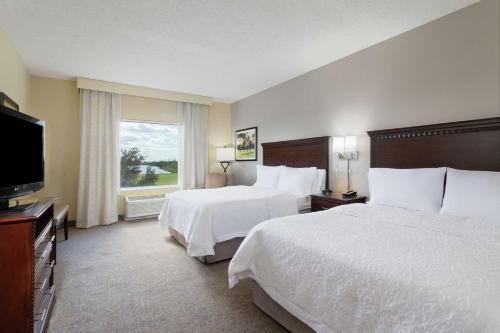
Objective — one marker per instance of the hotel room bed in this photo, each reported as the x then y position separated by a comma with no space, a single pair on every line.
211,223
374,268
221,216
360,268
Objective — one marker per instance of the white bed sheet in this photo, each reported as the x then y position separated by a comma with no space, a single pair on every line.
208,216
367,268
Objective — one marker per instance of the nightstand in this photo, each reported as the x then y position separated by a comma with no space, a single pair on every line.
326,201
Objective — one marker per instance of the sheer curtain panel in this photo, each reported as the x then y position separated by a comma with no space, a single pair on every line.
99,158
193,119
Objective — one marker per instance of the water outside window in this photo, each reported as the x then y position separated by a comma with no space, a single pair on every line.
149,154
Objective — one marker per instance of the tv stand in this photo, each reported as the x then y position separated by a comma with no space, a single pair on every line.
27,288
5,207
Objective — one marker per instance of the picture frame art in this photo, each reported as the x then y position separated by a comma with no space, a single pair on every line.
246,144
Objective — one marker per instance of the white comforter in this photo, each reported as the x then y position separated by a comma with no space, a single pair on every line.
208,216
365,268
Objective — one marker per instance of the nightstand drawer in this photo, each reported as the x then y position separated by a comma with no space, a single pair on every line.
318,204
324,202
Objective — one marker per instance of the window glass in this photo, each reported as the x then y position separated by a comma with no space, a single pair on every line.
149,154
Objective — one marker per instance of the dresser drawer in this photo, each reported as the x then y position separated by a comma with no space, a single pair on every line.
42,286
44,236
42,313
42,255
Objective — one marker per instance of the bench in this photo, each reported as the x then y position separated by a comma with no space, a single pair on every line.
60,220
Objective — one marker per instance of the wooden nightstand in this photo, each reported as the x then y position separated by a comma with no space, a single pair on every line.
322,202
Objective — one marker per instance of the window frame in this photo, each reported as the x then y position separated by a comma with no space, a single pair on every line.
149,187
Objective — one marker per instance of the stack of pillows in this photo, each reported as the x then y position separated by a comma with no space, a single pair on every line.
438,190
299,181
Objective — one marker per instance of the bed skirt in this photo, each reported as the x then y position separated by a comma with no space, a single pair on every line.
223,250
277,312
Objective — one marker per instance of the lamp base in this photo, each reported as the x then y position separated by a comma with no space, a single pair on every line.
224,167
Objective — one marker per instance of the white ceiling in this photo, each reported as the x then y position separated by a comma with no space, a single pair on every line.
226,49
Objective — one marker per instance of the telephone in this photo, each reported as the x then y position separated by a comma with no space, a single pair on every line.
349,194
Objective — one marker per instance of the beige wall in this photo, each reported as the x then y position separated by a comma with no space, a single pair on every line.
131,90
57,103
14,78
149,109
219,132
446,70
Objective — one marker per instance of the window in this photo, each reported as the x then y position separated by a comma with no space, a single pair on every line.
149,154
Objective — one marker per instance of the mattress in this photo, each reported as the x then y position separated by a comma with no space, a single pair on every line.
367,268
205,217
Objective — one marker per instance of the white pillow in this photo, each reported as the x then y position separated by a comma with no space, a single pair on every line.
472,193
418,189
299,181
319,181
268,176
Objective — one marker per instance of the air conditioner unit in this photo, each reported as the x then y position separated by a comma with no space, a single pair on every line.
143,206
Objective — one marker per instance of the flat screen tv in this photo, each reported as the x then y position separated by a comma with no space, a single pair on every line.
22,161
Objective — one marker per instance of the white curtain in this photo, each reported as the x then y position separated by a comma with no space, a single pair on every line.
193,142
99,152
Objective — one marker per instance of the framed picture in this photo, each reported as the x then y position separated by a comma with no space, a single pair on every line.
246,144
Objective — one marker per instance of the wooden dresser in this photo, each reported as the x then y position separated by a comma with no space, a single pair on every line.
27,290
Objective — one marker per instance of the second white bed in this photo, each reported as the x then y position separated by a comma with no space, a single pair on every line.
367,268
205,217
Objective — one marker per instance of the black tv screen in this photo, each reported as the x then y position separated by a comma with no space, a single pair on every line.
22,166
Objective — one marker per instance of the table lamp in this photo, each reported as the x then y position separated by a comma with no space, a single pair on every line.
224,155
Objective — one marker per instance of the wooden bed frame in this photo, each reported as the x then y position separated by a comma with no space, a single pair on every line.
468,145
311,152
303,153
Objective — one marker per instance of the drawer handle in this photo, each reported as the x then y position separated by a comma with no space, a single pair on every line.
41,286
43,234
46,250
40,315
324,208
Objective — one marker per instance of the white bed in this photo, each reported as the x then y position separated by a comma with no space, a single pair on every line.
211,223
370,268
413,260
205,217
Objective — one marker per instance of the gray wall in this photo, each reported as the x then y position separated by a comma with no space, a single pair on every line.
446,70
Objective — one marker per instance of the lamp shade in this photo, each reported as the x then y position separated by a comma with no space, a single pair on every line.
224,154
351,144
338,144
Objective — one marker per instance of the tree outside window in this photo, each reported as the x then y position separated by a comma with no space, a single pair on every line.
149,154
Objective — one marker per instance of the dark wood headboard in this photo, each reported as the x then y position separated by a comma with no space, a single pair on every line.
312,152
468,145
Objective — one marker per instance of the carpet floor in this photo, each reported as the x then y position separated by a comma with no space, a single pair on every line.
130,277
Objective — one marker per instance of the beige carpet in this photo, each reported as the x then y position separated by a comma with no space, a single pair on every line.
129,277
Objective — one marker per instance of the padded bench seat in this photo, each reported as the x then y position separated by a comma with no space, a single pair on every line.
60,220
